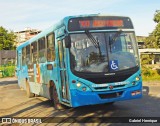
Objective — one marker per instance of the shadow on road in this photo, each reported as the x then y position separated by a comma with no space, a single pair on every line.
145,90
8,82
147,106
44,104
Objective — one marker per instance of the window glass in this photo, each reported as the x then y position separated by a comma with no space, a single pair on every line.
89,54
24,56
28,58
41,49
60,51
50,48
34,52
123,50
103,52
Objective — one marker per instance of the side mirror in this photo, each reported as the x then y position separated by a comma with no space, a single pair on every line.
67,41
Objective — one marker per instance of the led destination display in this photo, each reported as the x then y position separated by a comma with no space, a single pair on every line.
93,23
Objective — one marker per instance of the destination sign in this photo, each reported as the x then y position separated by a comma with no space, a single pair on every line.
99,22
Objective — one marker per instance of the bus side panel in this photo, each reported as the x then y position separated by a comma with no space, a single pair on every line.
42,78
20,69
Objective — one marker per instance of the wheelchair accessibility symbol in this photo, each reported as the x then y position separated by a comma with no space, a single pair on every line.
113,65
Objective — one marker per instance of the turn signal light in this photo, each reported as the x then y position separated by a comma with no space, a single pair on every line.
73,81
133,82
84,88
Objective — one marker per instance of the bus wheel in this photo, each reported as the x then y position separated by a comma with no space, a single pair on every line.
29,94
57,104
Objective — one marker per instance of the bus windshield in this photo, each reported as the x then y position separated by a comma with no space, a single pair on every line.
103,52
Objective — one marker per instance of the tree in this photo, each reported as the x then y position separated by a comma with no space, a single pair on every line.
150,41
7,39
156,32
153,40
157,16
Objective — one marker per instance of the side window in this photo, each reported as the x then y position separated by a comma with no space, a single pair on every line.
60,51
28,57
34,52
41,49
24,56
50,48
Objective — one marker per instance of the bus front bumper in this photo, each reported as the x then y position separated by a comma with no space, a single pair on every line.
81,98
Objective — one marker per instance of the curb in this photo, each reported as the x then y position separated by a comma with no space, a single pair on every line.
8,79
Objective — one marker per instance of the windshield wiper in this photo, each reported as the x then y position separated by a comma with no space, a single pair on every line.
93,40
113,39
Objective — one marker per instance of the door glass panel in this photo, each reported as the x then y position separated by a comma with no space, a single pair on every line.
63,73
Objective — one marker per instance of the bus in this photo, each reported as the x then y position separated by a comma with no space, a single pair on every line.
82,60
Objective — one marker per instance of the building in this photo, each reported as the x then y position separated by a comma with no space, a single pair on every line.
155,52
7,57
26,34
141,41
148,51
141,38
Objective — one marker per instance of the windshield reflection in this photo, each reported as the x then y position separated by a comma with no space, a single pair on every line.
99,55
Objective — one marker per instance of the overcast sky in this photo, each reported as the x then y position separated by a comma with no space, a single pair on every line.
16,15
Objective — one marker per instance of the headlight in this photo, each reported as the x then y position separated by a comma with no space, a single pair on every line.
78,84
135,81
137,78
82,87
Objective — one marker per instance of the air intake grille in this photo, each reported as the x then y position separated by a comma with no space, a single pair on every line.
108,79
111,95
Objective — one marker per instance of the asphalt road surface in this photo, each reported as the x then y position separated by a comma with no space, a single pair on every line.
14,103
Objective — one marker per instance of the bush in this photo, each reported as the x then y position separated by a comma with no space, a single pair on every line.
150,74
7,71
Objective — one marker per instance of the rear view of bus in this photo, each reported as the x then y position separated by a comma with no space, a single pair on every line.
103,59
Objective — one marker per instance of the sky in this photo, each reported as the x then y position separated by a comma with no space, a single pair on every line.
17,15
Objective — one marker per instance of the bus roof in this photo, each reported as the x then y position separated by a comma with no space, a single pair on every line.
64,21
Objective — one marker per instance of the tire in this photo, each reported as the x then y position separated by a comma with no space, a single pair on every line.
29,94
57,104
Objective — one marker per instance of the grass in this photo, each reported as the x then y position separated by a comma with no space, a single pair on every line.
150,73
7,71
151,78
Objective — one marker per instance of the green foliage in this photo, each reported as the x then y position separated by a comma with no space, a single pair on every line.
157,16
7,39
153,41
150,74
150,41
156,32
146,59
7,71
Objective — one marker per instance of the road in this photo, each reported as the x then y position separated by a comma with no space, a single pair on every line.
14,103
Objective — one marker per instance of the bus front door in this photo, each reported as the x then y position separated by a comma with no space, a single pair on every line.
63,73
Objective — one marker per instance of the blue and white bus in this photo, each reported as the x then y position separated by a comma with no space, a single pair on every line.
82,60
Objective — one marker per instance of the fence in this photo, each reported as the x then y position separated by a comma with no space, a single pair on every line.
7,70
